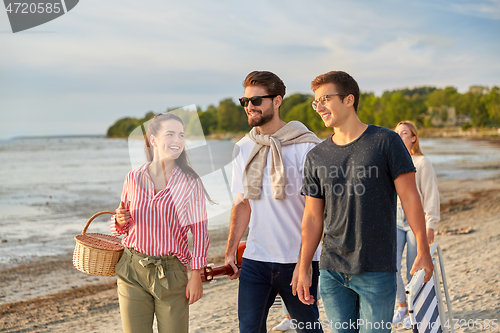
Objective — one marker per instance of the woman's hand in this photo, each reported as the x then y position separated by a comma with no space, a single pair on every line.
122,215
194,289
430,235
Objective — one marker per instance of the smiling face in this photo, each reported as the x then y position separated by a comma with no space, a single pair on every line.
335,112
406,135
262,114
168,142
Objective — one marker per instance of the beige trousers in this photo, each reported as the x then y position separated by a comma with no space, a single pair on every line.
149,286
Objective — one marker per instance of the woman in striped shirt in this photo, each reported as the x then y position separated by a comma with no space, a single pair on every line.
161,201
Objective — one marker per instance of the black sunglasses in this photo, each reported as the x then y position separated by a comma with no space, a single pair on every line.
256,100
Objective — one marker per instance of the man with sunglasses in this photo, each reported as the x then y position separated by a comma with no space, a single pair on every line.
350,182
267,178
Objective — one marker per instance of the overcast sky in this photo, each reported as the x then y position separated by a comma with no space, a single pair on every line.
105,60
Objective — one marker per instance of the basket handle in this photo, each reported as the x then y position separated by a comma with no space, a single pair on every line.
93,217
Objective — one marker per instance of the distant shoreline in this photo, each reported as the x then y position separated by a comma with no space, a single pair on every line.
483,134
61,136
491,135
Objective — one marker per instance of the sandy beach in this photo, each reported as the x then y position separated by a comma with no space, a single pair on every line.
52,296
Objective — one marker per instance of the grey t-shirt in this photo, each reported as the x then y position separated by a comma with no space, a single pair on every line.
357,183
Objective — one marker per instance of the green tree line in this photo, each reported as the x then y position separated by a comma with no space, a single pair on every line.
479,106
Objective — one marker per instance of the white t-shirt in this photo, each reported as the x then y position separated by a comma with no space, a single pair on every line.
275,225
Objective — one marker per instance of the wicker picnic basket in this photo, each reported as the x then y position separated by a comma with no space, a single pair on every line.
95,253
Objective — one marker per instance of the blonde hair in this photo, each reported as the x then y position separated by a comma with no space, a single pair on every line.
415,148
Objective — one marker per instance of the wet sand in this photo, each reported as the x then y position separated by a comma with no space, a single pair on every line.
52,296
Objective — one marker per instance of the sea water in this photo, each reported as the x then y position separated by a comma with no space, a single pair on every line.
462,159
50,187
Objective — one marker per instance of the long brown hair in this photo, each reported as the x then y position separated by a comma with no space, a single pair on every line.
415,148
182,161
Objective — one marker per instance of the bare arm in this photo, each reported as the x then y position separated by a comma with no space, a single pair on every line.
240,217
312,230
412,206
194,288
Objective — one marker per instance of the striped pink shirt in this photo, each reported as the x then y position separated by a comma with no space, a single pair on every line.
160,222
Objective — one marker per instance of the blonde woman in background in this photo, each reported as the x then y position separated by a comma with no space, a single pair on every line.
425,178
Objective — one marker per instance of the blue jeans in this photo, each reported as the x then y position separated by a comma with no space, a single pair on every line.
408,238
358,302
260,282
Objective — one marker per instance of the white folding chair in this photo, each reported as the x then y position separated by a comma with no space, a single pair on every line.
425,300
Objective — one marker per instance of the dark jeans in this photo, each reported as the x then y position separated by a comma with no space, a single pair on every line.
260,282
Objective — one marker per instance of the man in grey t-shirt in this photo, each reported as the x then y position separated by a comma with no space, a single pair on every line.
350,182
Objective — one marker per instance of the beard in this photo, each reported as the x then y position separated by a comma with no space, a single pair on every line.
265,117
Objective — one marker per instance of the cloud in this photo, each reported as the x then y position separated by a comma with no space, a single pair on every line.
489,9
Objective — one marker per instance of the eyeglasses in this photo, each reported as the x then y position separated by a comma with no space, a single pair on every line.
323,99
256,100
